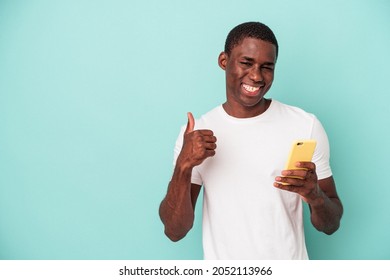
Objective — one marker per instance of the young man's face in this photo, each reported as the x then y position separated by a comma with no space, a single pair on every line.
249,75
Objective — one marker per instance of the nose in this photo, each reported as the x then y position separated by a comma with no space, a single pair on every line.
255,75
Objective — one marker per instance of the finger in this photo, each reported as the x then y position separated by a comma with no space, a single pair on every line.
295,173
190,123
210,146
306,165
210,153
284,186
288,181
210,139
206,132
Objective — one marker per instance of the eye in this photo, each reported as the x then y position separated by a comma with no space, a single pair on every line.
268,68
246,63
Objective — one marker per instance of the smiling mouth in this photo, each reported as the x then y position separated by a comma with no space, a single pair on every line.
250,89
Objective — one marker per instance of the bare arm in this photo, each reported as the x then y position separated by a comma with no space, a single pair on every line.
177,208
325,205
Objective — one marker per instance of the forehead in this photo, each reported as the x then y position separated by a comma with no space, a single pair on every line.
256,49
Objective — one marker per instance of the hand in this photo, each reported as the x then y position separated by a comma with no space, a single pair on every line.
197,144
305,185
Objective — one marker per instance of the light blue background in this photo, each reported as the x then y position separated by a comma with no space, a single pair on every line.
93,93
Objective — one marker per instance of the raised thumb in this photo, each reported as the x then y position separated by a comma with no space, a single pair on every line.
190,123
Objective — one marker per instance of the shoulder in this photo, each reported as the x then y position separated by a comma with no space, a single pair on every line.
293,115
213,113
291,111
201,122
212,116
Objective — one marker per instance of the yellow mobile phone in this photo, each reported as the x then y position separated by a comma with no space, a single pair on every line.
301,150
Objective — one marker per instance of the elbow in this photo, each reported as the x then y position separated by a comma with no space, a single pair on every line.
174,236
176,226
332,227
177,233
328,227
330,231
335,225
329,224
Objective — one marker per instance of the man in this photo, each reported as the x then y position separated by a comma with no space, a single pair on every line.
251,210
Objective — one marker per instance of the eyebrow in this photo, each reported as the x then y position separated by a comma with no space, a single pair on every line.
252,60
248,58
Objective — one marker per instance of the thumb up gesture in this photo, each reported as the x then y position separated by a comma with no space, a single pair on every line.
197,144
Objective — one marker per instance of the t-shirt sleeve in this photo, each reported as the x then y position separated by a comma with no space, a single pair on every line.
195,177
322,153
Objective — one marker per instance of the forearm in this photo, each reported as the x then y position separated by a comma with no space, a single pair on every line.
326,213
176,210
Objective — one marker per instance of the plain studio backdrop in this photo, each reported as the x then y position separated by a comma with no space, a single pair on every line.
93,94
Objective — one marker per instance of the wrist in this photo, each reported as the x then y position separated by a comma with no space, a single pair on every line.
183,167
183,164
316,197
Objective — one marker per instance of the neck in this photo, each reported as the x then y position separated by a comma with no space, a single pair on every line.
247,112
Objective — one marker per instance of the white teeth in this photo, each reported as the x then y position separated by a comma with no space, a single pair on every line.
249,88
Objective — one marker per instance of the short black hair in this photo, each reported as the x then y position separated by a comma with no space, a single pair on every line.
251,29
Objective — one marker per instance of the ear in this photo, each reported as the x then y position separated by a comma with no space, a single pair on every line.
222,60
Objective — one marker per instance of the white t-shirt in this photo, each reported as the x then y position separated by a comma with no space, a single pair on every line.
244,215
